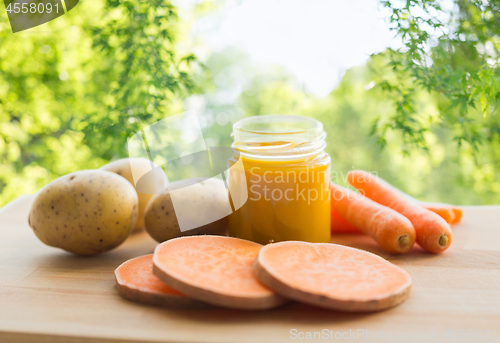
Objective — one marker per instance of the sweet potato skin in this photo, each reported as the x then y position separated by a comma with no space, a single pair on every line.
216,298
157,299
321,300
206,293
138,293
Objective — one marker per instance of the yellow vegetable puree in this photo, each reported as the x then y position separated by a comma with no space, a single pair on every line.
283,172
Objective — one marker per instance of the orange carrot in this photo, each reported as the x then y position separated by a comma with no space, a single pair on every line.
458,215
446,213
392,231
135,281
214,269
450,213
433,232
339,225
332,276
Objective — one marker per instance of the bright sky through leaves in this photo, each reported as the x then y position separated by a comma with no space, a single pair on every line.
317,40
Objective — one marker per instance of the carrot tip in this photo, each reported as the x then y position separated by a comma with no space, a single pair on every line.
443,240
404,241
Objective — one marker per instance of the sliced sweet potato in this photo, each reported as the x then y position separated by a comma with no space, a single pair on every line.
135,281
214,269
332,276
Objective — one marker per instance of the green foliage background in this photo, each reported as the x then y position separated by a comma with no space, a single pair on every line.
424,117
74,89
443,172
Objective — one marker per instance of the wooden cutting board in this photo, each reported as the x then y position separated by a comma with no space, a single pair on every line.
48,295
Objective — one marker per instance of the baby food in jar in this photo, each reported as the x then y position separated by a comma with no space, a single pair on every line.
283,175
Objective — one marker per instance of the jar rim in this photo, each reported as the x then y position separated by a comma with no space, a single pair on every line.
279,137
290,124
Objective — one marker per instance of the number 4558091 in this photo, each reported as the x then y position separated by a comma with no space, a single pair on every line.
32,8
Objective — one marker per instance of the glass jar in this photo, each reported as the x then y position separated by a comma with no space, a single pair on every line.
283,173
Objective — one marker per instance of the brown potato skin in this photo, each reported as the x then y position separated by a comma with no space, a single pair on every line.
161,222
86,212
123,168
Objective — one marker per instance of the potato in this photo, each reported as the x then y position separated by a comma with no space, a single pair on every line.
86,213
161,220
156,183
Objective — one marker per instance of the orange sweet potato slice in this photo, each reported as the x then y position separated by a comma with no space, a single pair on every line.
332,276
214,269
135,281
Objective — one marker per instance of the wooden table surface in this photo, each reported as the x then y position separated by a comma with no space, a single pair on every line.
48,295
